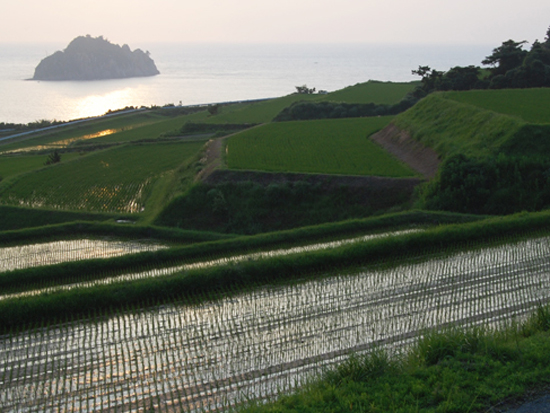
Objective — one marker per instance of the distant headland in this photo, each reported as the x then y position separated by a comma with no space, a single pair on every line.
95,58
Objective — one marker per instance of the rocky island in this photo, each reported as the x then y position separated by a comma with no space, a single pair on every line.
95,58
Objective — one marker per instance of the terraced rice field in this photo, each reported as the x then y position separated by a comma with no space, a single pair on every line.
48,253
333,146
262,343
115,180
531,105
159,272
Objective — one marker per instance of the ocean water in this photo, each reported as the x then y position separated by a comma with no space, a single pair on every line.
211,73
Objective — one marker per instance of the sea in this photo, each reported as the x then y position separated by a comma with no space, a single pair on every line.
192,74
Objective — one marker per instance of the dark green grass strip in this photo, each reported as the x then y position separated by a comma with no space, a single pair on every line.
79,302
71,272
80,229
14,218
448,371
531,105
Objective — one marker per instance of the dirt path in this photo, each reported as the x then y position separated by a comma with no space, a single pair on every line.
399,143
213,158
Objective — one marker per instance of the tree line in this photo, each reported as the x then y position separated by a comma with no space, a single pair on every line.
510,67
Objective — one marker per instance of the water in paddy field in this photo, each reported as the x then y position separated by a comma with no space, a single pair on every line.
55,252
201,74
259,344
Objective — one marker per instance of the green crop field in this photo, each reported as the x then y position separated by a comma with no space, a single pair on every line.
115,180
328,146
150,131
14,165
372,92
257,112
530,105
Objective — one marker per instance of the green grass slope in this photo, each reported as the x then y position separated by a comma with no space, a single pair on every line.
16,218
371,92
530,105
338,146
450,127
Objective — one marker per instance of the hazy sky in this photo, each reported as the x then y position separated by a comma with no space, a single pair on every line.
276,21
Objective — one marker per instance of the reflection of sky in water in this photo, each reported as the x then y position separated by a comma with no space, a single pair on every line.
66,142
158,272
25,256
268,340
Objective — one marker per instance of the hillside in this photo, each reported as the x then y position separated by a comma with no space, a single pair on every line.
450,124
300,249
530,105
494,161
361,93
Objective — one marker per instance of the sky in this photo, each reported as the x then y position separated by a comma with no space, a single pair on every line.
275,21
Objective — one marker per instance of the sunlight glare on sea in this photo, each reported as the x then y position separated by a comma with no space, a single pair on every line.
102,103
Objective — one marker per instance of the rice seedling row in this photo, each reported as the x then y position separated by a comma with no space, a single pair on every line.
115,180
25,256
159,272
262,343
323,146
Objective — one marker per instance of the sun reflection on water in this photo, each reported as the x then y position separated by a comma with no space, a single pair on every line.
100,104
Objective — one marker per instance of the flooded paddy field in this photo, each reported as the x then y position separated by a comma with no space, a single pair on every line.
159,272
262,343
48,253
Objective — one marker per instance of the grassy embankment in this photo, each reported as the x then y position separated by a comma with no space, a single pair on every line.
87,228
493,163
481,123
17,218
449,371
225,279
252,208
